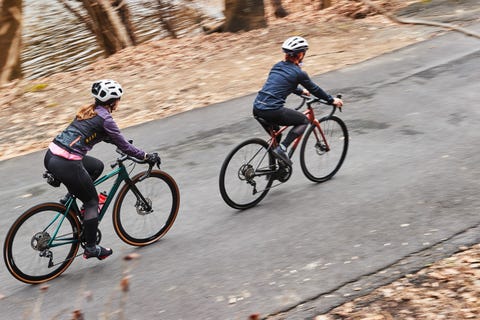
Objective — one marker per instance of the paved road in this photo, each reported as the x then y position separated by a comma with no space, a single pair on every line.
411,180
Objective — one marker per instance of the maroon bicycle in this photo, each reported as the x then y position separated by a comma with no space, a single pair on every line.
251,168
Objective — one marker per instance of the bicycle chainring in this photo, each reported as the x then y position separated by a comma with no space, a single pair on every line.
97,241
283,173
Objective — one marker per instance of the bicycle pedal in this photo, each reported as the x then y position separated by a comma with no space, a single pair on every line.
283,164
65,199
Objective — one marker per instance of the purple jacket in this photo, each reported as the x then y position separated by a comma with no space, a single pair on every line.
81,135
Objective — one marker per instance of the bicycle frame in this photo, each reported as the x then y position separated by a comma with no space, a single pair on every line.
309,113
121,175
250,170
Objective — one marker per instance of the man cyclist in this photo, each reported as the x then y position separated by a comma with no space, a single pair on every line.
67,159
284,78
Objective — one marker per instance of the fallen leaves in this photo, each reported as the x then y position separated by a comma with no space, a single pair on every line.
169,76
77,315
131,256
125,283
447,289
44,288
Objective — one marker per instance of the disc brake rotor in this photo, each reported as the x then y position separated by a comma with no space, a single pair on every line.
142,208
320,148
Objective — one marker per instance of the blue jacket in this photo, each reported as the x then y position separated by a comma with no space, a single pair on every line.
81,135
284,78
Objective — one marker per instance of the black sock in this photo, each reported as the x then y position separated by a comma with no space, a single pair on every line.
289,138
90,232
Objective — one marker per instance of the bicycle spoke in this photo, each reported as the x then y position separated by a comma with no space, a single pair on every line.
244,177
140,223
322,155
30,252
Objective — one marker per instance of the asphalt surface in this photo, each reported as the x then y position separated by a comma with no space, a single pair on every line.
410,182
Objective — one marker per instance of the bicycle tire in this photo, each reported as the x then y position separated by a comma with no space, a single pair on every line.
235,188
26,232
318,164
161,190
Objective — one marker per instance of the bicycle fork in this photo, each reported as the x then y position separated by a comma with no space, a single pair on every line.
143,205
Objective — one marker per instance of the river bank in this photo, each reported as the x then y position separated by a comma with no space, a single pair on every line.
55,40
168,76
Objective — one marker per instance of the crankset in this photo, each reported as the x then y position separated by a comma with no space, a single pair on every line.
99,238
283,173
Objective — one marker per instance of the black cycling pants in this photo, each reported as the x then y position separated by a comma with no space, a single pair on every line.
285,117
78,177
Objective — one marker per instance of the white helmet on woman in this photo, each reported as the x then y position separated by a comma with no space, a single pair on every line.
106,89
294,45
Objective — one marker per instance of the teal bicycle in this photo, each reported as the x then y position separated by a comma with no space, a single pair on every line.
43,242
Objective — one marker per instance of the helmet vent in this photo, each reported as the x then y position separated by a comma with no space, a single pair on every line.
106,89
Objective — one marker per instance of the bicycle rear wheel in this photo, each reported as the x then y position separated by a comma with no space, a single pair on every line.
321,158
247,174
26,252
133,222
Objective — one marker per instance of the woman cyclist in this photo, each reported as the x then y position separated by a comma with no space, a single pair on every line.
66,156
284,78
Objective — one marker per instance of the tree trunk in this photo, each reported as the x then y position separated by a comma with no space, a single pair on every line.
244,15
124,13
11,12
164,10
324,4
278,9
111,33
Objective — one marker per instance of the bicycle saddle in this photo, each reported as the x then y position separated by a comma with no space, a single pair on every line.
51,179
266,124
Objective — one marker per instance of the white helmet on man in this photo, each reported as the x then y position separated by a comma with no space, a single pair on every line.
294,45
106,89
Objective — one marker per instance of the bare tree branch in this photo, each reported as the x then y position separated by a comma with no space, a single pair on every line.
421,22
77,14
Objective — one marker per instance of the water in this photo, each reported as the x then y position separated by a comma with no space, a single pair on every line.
55,40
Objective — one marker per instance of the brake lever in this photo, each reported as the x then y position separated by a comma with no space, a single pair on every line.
339,96
147,174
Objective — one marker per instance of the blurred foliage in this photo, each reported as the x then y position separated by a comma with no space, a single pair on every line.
36,87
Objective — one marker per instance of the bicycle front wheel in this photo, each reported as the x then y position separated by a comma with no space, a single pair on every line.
138,223
321,156
29,253
247,174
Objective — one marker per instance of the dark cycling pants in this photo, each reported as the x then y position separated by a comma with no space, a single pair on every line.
78,177
285,117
